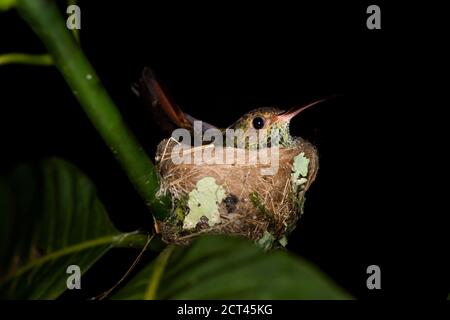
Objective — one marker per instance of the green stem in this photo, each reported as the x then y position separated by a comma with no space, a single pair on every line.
24,58
138,240
7,4
45,19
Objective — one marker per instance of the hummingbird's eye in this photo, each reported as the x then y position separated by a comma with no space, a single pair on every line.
258,123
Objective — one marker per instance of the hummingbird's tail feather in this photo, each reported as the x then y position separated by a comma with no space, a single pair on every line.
166,113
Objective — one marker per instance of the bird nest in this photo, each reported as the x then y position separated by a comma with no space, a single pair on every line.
256,194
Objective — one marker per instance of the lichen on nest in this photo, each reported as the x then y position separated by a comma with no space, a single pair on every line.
234,197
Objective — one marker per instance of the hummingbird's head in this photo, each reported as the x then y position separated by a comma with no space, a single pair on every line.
261,121
268,123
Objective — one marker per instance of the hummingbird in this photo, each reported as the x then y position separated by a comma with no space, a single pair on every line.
267,122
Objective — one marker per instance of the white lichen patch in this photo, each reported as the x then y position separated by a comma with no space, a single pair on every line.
283,241
266,241
204,201
299,170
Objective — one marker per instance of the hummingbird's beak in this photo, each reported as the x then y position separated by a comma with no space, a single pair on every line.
288,115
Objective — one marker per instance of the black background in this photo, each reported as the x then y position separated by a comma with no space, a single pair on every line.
219,61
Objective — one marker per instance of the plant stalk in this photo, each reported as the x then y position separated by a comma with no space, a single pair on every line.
24,58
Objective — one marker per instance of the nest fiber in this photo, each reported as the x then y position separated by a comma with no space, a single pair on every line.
243,197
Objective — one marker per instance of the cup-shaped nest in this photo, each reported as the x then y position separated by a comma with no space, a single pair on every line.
257,194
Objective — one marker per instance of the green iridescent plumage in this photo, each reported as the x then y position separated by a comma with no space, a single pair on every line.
274,130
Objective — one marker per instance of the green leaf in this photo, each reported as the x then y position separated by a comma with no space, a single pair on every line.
50,218
219,267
